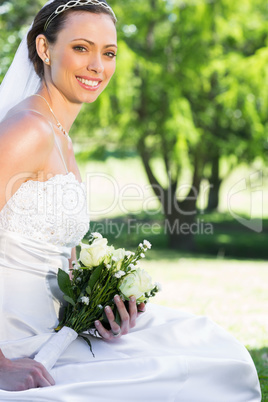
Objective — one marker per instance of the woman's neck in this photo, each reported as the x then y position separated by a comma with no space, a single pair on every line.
64,110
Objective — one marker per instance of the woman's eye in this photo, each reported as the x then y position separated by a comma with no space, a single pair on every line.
80,48
110,54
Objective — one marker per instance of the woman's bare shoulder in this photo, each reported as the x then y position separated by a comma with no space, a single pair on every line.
26,125
26,143
26,133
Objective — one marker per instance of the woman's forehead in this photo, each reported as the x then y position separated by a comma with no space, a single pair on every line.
83,24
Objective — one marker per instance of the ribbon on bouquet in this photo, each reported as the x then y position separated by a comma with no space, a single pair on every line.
55,346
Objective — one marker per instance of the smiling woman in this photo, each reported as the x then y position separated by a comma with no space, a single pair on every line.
79,55
168,355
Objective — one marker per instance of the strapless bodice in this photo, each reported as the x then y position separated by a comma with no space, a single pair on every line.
53,211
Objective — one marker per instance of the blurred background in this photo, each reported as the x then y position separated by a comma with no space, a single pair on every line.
175,151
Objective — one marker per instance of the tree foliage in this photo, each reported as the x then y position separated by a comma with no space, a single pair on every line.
190,89
199,73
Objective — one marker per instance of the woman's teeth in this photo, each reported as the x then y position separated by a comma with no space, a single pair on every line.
88,82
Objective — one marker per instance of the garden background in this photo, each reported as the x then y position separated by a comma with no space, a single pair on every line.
175,151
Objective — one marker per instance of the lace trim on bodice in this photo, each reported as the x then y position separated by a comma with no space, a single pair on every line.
53,211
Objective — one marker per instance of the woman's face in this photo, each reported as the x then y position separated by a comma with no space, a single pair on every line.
83,57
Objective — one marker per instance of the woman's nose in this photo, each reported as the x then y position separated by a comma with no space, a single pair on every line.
95,64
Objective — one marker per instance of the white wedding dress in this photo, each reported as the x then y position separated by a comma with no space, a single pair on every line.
170,356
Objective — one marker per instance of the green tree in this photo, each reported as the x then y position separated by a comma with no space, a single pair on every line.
222,74
15,17
190,89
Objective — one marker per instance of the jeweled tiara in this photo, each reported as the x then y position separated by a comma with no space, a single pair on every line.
75,3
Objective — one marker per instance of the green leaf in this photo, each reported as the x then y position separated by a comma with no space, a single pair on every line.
65,283
88,290
88,342
95,276
69,300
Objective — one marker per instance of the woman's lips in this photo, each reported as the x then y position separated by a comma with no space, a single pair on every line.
89,83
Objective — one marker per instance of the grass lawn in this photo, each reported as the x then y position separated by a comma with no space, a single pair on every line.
232,293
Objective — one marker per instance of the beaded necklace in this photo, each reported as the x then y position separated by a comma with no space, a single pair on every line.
59,125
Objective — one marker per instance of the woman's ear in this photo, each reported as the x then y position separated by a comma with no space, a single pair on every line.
42,48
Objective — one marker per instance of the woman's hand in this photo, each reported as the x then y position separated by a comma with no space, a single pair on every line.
22,374
128,319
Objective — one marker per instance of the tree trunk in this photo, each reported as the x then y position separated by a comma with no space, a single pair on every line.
179,229
215,183
180,225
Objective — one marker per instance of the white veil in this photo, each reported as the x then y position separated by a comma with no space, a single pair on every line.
20,80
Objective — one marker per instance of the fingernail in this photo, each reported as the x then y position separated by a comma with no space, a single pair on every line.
108,309
97,323
132,299
117,298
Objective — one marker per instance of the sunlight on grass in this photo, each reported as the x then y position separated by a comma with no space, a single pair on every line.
232,293
244,191
119,186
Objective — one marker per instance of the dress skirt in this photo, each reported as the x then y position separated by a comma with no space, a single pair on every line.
170,355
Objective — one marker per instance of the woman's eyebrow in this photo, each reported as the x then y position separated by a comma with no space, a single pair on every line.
93,44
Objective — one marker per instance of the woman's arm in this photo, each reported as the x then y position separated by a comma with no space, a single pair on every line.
26,140
22,374
73,258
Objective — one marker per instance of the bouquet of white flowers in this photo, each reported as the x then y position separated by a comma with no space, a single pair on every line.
103,272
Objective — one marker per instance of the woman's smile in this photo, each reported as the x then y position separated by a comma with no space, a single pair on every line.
90,84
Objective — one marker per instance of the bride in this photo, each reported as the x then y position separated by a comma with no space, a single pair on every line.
167,355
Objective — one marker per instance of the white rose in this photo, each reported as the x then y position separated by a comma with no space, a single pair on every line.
117,256
110,249
137,283
108,257
94,254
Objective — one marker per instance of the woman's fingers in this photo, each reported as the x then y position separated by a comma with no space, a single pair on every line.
108,335
124,316
115,331
115,328
104,333
36,379
128,318
133,311
23,374
42,382
141,308
48,379
37,375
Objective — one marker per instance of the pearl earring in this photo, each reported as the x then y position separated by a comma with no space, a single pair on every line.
46,60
